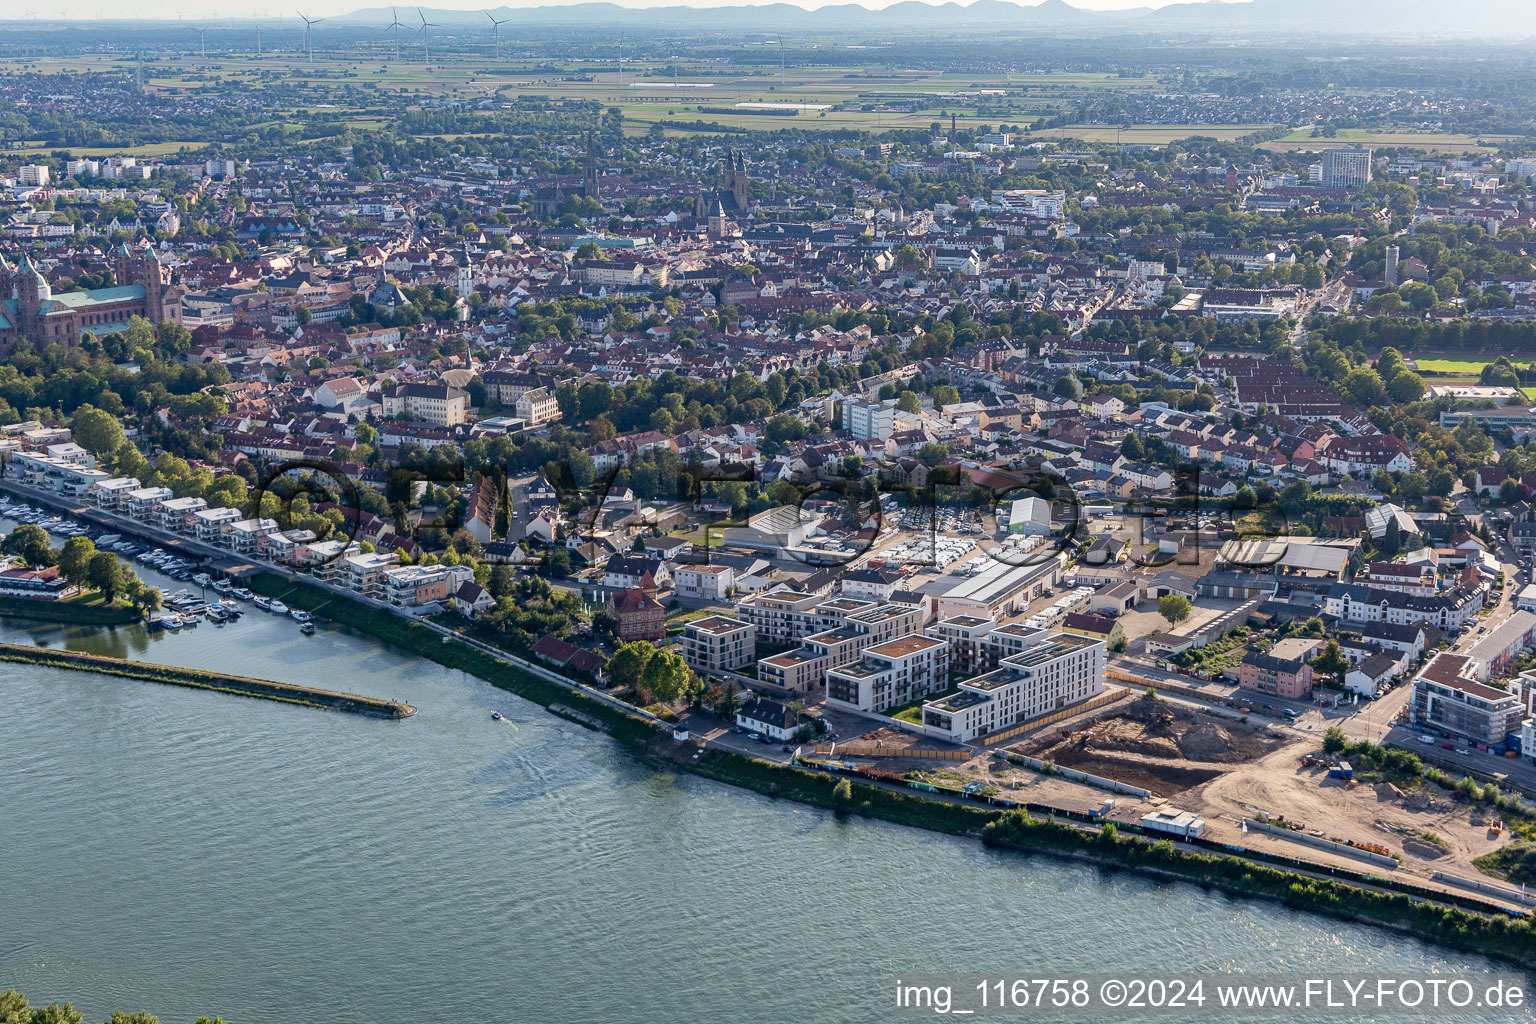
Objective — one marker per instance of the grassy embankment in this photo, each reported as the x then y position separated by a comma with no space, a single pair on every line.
219,682
83,612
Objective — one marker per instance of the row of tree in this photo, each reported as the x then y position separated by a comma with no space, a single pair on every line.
15,1009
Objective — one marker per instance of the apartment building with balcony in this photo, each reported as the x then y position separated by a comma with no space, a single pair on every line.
719,644
244,537
856,625
210,524
703,582
175,514
1453,694
967,636
322,559
411,586
890,674
144,503
1050,673
112,495
364,572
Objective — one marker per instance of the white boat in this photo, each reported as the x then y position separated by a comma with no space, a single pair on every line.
264,603
223,586
308,629
299,615
241,593
166,620
202,579
277,607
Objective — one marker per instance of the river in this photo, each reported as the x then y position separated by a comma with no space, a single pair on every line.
192,853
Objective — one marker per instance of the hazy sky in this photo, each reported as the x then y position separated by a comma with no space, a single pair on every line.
284,9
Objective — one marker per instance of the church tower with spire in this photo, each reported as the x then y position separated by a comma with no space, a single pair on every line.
32,291
589,179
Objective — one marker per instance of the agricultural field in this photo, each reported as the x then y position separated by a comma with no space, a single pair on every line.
1440,142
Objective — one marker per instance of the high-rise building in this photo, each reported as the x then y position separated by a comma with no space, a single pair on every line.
1346,168
868,421
1389,273
34,174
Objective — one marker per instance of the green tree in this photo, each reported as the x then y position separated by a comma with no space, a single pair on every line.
97,431
1132,448
945,394
908,401
1391,539
1175,608
1331,661
666,677
30,543
628,664
137,1017
842,793
57,1013
933,453
75,559
1406,387
14,1008
105,573
1334,739
1068,387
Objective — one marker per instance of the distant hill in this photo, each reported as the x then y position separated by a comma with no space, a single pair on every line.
1507,20
1051,15
1504,19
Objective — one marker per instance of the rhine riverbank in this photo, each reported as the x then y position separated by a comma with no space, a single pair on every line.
1443,921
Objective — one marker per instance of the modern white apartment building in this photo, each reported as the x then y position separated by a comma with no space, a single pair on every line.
322,558
868,421
890,674
364,573
112,494
174,513
210,524
719,644
144,503
785,617
410,586
245,536
705,582
857,625
1452,694
1048,674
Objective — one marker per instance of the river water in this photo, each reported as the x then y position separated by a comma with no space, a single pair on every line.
192,853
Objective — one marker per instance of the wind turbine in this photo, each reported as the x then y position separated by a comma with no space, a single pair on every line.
426,53
202,41
258,35
782,80
309,42
393,29
621,58
495,33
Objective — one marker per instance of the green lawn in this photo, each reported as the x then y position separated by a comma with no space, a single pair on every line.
1472,366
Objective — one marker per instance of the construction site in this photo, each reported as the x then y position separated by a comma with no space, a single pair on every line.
1256,784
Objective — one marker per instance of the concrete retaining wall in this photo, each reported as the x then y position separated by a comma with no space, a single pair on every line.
1322,844
1073,774
1523,898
